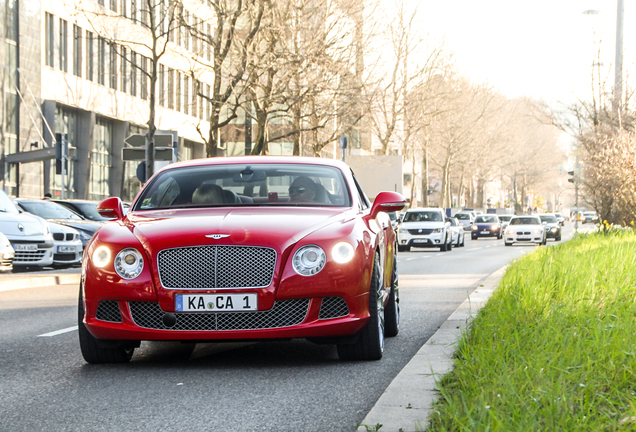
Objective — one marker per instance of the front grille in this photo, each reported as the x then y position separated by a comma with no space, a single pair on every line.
420,231
108,310
62,236
285,313
333,307
206,267
22,257
64,257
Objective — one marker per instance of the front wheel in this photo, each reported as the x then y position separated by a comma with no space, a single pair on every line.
370,343
91,349
392,310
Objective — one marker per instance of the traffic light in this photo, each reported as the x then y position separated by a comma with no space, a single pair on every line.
61,153
571,179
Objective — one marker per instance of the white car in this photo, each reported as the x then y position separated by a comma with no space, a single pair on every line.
68,245
458,232
525,229
29,235
505,220
6,254
424,227
465,219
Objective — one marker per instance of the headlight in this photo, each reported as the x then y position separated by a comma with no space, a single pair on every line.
554,229
537,231
309,260
129,263
101,256
494,227
342,252
404,230
510,232
475,227
437,230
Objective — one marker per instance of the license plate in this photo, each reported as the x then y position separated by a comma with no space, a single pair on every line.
26,247
420,241
66,248
485,232
216,302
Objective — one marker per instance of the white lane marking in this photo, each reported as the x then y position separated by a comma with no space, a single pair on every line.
58,332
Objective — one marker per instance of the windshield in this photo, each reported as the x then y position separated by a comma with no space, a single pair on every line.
548,218
486,219
453,222
246,185
505,218
423,216
462,216
6,205
48,210
525,221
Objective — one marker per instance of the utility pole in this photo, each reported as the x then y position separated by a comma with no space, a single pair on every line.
618,64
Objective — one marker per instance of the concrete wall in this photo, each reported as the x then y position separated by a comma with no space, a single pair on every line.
377,173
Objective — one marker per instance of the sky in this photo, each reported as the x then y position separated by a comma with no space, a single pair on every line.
541,48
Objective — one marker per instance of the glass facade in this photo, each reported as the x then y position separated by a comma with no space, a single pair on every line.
65,122
101,160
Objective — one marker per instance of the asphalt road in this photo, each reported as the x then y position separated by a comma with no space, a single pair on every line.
277,386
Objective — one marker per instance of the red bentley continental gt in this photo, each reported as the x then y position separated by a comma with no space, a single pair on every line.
243,248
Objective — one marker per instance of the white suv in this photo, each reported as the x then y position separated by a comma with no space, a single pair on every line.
29,235
424,227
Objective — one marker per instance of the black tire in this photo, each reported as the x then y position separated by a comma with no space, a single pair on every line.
91,350
392,310
449,245
442,248
401,248
370,343
473,237
558,238
507,244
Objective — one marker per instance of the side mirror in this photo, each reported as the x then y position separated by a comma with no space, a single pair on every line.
387,202
111,208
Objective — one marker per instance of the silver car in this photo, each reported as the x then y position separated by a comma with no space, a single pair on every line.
465,219
29,235
68,245
457,231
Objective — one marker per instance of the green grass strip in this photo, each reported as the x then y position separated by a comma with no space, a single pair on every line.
555,347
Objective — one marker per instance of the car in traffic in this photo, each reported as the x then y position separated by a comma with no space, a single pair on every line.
6,254
457,231
589,217
68,245
525,229
424,228
395,219
243,248
486,225
53,212
552,226
29,235
505,220
560,218
465,219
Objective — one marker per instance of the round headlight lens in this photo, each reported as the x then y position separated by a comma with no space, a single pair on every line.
475,227
101,256
342,253
129,263
309,260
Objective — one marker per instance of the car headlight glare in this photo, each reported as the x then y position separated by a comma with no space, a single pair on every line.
309,260
129,263
494,227
342,253
537,231
475,227
101,256
510,232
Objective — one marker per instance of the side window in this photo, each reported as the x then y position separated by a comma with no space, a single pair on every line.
364,201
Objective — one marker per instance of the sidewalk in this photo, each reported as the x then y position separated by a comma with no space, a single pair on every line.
12,281
407,402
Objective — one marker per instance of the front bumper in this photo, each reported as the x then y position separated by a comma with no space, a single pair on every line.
485,232
292,318
426,240
523,238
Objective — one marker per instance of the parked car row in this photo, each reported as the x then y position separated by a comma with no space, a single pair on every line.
44,233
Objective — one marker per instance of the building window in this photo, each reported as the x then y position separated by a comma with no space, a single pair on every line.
77,50
113,5
170,88
11,20
186,94
124,68
101,60
113,66
123,9
63,45
90,56
50,40
144,77
101,160
161,91
66,121
133,73
178,92
195,99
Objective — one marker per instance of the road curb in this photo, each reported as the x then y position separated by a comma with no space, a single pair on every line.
407,402
39,281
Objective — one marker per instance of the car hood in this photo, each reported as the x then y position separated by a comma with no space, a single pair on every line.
82,225
10,224
268,227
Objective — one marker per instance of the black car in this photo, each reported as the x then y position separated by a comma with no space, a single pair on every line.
552,226
54,212
487,225
85,208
